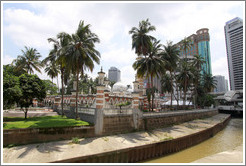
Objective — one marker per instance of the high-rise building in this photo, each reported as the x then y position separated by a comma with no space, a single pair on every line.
220,83
114,74
234,49
200,46
226,85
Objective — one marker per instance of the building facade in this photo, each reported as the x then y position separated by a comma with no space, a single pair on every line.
200,46
226,85
114,74
220,83
234,49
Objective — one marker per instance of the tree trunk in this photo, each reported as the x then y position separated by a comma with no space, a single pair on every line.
171,90
62,75
184,100
77,90
152,91
58,85
26,113
177,90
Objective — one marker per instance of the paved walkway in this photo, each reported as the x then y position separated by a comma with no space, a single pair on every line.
29,113
60,150
232,156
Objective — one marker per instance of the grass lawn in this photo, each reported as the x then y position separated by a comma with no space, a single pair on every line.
39,122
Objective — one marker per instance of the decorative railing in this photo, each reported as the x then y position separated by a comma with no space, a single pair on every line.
86,110
110,111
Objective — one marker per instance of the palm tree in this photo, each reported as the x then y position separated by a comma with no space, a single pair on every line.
141,41
151,65
209,83
197,63
185,77
186,45
170,56
57,56
111,84
81,53
52,70
166,83
28,61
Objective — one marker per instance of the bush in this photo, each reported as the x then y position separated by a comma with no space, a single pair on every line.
75,140
123,104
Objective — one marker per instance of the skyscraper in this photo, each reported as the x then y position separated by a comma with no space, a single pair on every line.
234,49
226,85
114,74
200,46
221,83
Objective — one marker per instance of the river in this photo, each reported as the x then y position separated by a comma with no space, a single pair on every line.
227,139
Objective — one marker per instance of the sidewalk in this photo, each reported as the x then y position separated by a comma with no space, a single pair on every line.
232,156
60,150
29,113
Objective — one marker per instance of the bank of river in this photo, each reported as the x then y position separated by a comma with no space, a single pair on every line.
226,140
130,147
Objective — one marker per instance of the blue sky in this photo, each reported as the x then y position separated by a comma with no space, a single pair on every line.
30,24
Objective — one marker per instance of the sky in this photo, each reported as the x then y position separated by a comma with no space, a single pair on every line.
32,23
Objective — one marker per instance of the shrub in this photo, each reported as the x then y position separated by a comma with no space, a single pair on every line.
75,140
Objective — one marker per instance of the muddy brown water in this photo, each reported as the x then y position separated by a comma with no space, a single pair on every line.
227,139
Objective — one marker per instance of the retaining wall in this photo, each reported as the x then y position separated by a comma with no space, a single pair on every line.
83,116
144,152
153,121
35,135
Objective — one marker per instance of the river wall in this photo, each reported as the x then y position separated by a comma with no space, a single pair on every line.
111,122
152,150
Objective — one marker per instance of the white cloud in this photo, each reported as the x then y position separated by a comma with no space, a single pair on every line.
112,21
220,67
7,59
127,75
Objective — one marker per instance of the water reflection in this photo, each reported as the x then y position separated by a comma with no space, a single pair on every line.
227,139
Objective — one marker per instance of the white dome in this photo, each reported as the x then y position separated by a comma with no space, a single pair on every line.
119,87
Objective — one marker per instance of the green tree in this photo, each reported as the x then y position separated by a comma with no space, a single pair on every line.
28,61
185,77
209,82
52,70
141,41
186,45
170,56
31,87
82,54
111,84
10,70
151,65
50,87
11,90
57,57
197,62
166,83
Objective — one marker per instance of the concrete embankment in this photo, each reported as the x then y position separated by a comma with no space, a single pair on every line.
231,156
131,147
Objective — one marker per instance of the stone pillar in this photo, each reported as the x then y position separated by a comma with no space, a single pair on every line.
35,102
100,97
100,101
73,105
135,86
135,102
106,94
140,85
145,101
57,103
